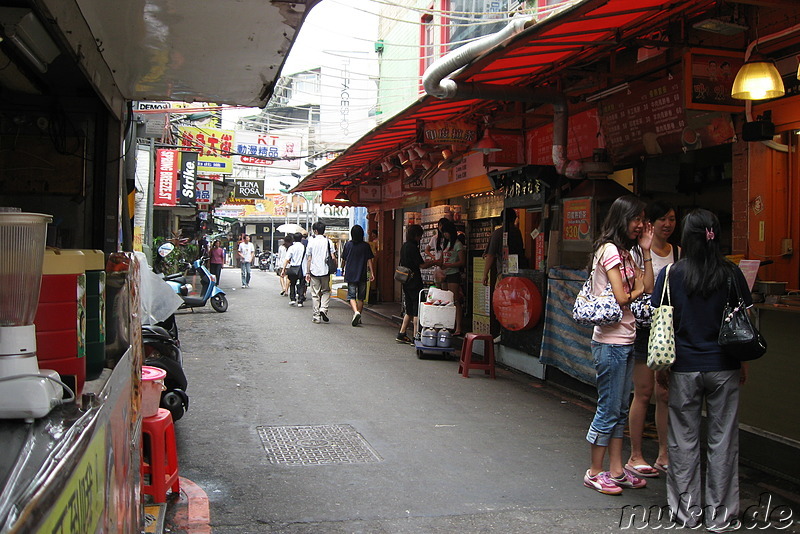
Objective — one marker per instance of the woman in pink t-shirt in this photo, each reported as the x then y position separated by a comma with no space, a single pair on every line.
624,228
216,259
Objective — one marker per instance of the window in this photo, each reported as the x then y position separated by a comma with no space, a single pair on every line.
427,42
464,14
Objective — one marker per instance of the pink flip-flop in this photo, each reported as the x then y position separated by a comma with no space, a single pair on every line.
642,470
661,467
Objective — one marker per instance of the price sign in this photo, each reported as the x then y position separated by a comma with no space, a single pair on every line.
577,219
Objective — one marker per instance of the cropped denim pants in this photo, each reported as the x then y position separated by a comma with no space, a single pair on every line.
614,367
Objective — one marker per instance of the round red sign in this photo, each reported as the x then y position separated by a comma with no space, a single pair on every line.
517,303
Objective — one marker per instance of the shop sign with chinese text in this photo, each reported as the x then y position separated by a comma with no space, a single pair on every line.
274,151
166,177
205,190
459,134
214,145
577,222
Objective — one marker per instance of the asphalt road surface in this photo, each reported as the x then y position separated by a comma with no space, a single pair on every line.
326,428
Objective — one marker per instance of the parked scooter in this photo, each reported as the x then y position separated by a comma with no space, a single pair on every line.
209,291
264,260
162,349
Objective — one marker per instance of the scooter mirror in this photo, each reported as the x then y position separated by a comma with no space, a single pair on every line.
165,249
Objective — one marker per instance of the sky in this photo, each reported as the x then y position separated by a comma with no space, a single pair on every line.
331,27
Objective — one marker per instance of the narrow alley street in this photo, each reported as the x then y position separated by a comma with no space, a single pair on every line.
299,427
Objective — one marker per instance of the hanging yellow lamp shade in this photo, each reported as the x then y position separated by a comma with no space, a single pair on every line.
757,80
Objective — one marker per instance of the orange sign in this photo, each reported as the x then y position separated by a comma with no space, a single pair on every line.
577,219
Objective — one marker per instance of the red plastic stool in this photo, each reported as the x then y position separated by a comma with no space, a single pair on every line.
466,363
158,439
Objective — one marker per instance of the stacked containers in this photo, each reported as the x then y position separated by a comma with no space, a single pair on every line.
61,317
95,312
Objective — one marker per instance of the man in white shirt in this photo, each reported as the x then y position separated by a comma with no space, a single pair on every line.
318,250
247,253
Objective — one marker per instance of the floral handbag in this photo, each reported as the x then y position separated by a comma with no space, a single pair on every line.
661,345
642,311
597,310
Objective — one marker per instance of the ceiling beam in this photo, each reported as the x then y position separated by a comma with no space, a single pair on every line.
766,3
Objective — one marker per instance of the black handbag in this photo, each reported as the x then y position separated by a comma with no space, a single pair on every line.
402,274
293,271
737,335
330,261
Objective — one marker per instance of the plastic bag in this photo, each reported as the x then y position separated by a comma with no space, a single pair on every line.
439,297
158,300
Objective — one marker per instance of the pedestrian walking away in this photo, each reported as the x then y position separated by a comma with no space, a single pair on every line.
612,345
247,253
319,248
293,267
302,284
279,264
410,257
662,216
358,269
703,380
216,259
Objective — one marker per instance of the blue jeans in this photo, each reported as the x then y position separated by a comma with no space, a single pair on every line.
245,273
614,367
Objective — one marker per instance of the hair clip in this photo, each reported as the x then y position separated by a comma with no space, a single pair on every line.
709,234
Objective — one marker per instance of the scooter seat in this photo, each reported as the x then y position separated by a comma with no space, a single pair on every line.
156,330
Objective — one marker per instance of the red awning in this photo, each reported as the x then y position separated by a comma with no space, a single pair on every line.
587,30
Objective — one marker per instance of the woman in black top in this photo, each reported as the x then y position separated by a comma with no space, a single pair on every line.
410,257
702,375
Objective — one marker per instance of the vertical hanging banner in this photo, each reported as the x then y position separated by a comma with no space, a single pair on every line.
187,182
166,176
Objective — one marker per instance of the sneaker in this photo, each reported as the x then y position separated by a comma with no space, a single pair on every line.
315,320
324,316
601,482
730,526
292,303
403,338
356,319
244,286
299,304
628,480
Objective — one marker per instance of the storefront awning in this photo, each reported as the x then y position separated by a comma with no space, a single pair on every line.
532,58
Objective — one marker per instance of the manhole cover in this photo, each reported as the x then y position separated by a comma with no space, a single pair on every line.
316,445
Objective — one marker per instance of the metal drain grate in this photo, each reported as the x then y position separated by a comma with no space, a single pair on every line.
316,445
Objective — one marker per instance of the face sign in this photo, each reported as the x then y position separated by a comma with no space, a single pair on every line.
636,226
664,226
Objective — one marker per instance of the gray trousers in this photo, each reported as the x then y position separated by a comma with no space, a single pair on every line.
320,294
687,391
